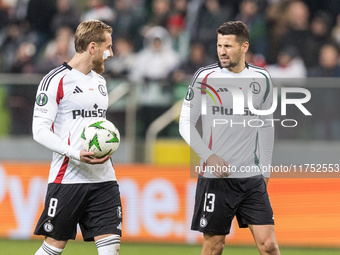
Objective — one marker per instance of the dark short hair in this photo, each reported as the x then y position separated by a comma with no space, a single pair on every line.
237,28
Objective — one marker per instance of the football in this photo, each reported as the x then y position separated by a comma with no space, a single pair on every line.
102,137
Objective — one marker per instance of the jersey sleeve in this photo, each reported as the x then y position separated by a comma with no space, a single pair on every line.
48,94
190,113
48,97
266,132
42,134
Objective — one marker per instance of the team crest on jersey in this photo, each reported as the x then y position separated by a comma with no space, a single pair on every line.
256,88
203,222
48,227
190,94
42,99
102,89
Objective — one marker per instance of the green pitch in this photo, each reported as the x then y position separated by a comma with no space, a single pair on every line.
16,247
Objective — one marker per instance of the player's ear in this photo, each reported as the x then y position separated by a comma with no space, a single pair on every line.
92,47
245,46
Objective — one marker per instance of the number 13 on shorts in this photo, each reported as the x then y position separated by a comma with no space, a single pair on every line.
209,202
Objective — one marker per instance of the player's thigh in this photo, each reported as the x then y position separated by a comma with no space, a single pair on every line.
214,210
103,213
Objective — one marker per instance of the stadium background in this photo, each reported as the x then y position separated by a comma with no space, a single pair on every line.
297,41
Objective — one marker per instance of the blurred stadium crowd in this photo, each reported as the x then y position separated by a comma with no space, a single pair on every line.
160,43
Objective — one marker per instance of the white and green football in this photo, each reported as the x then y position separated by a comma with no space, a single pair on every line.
102,137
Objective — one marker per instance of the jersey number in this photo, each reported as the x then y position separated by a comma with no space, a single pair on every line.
209,202
52,209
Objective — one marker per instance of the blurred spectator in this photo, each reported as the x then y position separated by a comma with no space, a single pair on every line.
58,51
249,14
23,62
4,19
151,69
97,9
11,37
336,31
319,35
210,17
298,30
289,65
160,10
66,15
328,63
39,16
157,59
255,59
179,77
197,58
124,58
128,22
180,7
179,35
327,115
21,97
277,19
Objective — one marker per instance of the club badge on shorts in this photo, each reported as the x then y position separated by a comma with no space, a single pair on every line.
48,227
203,222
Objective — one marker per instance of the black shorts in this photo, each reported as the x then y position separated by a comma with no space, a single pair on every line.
95,206
217,201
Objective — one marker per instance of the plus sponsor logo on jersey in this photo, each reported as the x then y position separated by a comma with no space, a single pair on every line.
220,110
82,113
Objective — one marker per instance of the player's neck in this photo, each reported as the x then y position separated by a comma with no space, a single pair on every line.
237,69
81,63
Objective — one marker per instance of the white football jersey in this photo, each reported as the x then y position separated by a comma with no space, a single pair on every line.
71,100
243,139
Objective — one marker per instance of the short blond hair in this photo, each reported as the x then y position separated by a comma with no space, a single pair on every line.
90,31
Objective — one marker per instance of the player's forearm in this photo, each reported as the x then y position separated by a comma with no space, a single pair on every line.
43,135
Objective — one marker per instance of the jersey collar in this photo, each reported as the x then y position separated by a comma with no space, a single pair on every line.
67,66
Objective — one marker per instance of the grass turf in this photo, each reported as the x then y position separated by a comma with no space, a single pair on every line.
29,247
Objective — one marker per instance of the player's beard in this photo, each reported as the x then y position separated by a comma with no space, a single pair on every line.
98,65
232,63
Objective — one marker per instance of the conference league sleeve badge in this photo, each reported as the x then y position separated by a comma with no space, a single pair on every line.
42,99
190,94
